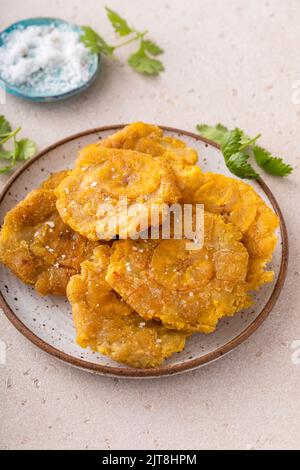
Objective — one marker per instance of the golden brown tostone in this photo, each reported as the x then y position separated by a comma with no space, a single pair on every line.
239,203
108,325
150,139
104,176
37,246
185,289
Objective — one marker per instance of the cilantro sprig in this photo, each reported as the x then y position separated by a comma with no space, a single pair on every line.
237,148
272,165
143,60
18,150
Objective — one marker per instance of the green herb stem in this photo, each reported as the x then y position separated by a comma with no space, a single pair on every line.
131,40
250,142
10,136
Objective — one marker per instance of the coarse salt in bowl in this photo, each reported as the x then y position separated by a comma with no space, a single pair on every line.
43,59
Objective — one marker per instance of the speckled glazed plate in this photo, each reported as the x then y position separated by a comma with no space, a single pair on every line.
47,321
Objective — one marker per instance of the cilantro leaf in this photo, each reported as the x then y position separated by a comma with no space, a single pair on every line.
95,42
272,165
152,47
220,133
239,166
5,154
19,150
232,144
217,134
235,158
5,127
142,63
26,148
119,24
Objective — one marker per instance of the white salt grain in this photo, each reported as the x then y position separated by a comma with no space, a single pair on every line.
50,224
48,59
128,267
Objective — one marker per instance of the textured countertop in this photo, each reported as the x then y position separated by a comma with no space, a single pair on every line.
232,61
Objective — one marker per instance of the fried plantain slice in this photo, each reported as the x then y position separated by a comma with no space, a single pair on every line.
37,246
108,325
149,139
186,289
89,199
239,203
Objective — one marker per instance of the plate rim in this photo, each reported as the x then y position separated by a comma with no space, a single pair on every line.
128,372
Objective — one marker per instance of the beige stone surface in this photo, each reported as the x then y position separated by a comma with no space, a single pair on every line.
233,61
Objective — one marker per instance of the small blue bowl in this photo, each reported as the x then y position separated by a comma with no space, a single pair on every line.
29,93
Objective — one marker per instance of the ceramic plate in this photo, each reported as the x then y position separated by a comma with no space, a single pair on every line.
47,321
